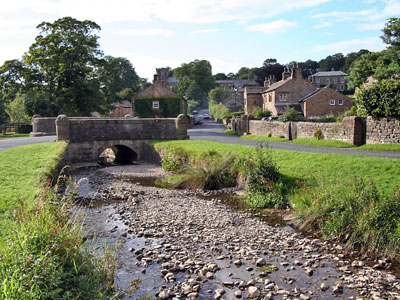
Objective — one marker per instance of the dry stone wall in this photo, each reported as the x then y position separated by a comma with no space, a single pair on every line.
263,127
382,131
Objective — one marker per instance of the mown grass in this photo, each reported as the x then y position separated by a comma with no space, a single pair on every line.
322,143
263,138
230,132
380,147
351,198
42,254
11,135
22,172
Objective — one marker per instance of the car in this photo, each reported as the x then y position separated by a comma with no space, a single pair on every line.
206,116
273,118
197,119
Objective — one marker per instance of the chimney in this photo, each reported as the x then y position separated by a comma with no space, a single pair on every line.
158,79
286,74
296,71
272,79
266,82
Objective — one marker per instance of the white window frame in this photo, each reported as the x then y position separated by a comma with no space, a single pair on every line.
328,82
342,87
332,102
156,104
342,80
334,80
340,102
282,97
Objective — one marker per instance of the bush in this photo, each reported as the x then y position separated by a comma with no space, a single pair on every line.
318,134
380,100
260,113
291,115
269,134
263,185
173,160
218,111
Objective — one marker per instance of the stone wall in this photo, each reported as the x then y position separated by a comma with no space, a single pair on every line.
43,126
350,130
275,127
382,131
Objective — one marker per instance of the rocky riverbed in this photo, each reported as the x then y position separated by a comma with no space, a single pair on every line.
179,246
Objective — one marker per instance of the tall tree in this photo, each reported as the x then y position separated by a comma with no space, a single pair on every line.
335,62
270,67
220,76
117,77
350,58
391,33
218,95
195,79
309,67
63,62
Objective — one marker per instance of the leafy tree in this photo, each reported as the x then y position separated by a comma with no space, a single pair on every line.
270,67
380,100
220,76
62,63
350,58
117,75
11,79
246,73
335,62
195,79
218,95
291,114
16,110
391,33
309,67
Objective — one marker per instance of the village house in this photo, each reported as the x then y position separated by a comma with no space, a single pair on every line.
235,88
294,91
333,79
158,100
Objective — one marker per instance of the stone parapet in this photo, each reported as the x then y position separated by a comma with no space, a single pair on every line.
382,131
43,126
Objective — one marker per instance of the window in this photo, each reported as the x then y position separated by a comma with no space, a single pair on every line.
318,80
332,102
342,87
156,104
335,80
282,97
342,80
340,102
328,82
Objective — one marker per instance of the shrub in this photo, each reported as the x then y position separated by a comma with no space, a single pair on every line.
269,134
380,100
218,111
174,159
281,136
260,113
318,134
291,115
263,185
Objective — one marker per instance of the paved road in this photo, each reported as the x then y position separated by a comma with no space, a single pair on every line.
210,131
11,143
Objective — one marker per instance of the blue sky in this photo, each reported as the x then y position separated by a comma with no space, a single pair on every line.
229,33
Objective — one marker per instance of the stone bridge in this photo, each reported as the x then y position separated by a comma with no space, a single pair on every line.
87,138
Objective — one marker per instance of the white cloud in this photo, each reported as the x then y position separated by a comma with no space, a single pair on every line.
203,31
371,43
323,25
273,27
371,26
145,32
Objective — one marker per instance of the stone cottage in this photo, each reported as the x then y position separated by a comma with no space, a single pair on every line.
158,100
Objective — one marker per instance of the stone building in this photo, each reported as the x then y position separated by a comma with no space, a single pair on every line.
121,109
325,101
252,99
333,79
234,102
286,92
155,97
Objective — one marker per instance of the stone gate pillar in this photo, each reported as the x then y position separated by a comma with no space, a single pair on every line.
62,128
182,125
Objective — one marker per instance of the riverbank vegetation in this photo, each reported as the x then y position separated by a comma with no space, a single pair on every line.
348,198
41,252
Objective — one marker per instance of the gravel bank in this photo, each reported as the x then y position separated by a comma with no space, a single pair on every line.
182,247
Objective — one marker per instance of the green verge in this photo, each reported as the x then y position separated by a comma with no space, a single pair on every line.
351,198
380,147
13,135
263,138
322,143
230,132
42,255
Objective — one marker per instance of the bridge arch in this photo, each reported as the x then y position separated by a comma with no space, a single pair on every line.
125,152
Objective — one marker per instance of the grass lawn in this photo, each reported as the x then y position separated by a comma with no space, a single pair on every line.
22,170
380,147
310,168
263,138
11,135
230,132
322,143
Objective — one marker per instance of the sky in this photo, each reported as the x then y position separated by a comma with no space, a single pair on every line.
229,33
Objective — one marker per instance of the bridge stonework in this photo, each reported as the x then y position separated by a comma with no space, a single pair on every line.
87,138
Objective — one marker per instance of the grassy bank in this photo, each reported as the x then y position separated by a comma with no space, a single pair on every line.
322,188
42,254
11,135
324,143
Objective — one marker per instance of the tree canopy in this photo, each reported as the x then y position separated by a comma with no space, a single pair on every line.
391,33
195,79
270,67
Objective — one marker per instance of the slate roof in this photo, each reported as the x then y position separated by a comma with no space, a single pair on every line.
275,85
309,95
329,73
